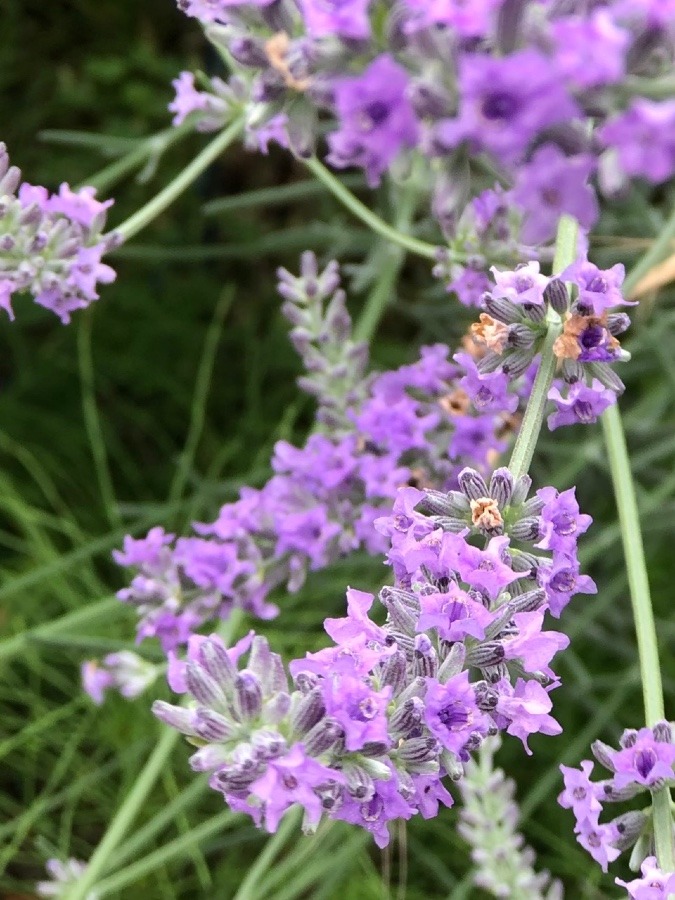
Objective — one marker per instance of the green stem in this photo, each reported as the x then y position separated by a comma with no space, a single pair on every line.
247,889
565,254
165,197
367,216
136,798
92,420
636,566
19,642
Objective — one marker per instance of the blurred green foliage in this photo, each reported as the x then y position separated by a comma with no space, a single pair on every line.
65,766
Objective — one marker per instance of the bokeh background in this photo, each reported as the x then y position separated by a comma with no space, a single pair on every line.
193,324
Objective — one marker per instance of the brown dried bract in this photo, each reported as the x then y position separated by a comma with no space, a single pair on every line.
567,345
455,404
276,49
485,514
491,332
473,348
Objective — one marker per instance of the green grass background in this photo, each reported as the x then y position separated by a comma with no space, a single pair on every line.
193,323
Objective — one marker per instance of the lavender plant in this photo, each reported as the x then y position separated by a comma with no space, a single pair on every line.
523,116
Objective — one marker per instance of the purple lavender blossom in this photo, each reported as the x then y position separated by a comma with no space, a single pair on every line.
523,285
345,18
52,245
644,138
469,20
525,711
360,710
577,42
505,103
451,712
551,184
580,794
645,761
583,404
562,581
598,840
654,884
599,289
123,671
376,118
562,521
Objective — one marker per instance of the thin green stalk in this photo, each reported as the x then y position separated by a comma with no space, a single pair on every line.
248,887
149,149
176,848
367,216
201,393
165,197
565,254
636,566
136,797
92,420
19,642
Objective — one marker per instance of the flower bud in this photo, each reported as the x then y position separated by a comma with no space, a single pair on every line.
501,309
175,716
527,529
520,337
408,717
557,295
604,754
425,660
394,672
323,736
472,484
629,826
520,490
247,696
211,726
662,732
501,486
268,744
535,312
418,750
309,709
453,663
516,362
489,653
203,687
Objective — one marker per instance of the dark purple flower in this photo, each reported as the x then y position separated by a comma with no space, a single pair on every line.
551,184
646,761
385,805
376,118
582,405
505,102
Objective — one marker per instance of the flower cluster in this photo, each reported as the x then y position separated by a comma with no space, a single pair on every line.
416,425
372,726
488,823
51,245
644,763
519,312
541,97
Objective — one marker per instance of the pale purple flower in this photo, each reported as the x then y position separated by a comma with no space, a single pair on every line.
453,614
79,206
123,671
375,814
598,840
62,875
525,710
345,18
533,647
215,10
451,712
483,569
599,289
291,780
580,794
212,109
561,520
582,405
551,184
644,137
654,884
523,285
376,119
467,19
360,710
561,580
468,284
590,50
488,391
